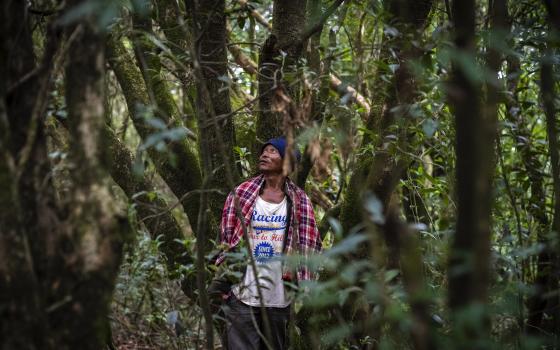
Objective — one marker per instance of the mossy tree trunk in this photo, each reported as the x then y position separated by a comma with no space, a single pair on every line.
215,130
178,165
152,210
92,233
379,175
59,258
149,62
169,16
277,69
215,122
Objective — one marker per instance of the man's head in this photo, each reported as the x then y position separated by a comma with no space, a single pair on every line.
272,156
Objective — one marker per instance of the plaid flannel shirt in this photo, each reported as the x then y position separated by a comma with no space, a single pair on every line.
302,238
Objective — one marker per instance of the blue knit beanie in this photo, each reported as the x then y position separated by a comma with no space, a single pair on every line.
280,144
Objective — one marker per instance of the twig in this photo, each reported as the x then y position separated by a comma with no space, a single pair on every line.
220,117
335,81
255,14
179,201
320,23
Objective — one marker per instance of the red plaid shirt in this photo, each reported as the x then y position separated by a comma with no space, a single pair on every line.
303,238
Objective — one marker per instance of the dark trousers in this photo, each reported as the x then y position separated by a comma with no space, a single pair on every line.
244,323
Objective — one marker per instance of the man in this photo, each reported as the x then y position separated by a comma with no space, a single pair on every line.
279,221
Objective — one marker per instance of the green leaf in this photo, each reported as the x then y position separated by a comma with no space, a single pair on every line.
429,127
374,208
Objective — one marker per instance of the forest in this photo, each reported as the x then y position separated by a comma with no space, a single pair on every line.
429,138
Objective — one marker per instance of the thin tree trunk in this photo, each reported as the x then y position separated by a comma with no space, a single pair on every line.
321,88
410,259
537,202
548,93
215,126
170,18
469,265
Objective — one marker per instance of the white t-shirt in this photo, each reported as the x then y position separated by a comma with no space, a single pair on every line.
266,238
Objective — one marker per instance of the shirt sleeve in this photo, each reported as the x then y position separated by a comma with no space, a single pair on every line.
309,236
227,227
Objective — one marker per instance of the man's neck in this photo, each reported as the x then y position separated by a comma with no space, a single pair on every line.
274,181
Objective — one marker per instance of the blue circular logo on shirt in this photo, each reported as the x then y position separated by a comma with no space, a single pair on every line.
263,252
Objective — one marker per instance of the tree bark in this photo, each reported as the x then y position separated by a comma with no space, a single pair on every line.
150,66
28,219
469,264
215,127
215,122
91,236
69,251
548,93
179,166
20,307
275,70
379,174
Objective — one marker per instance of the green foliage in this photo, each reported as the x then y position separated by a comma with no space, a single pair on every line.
360,300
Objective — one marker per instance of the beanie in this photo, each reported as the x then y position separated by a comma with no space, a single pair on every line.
280,144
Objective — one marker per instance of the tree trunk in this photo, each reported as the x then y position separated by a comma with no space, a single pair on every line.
215,128
179,165
548,93
215,122
68,256
537,202
28,217
277,70
320,89
91,236
380,175
469,265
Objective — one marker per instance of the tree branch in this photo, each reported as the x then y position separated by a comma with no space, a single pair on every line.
336,84
179,166
320,23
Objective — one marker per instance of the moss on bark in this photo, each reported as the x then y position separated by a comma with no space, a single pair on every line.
215,122
179,166
288,25
152,210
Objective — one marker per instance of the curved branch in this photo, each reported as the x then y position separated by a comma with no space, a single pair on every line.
336,84
179,166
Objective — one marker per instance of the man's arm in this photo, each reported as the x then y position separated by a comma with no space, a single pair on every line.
221,285
227,227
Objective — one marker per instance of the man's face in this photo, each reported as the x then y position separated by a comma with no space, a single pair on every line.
270,160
